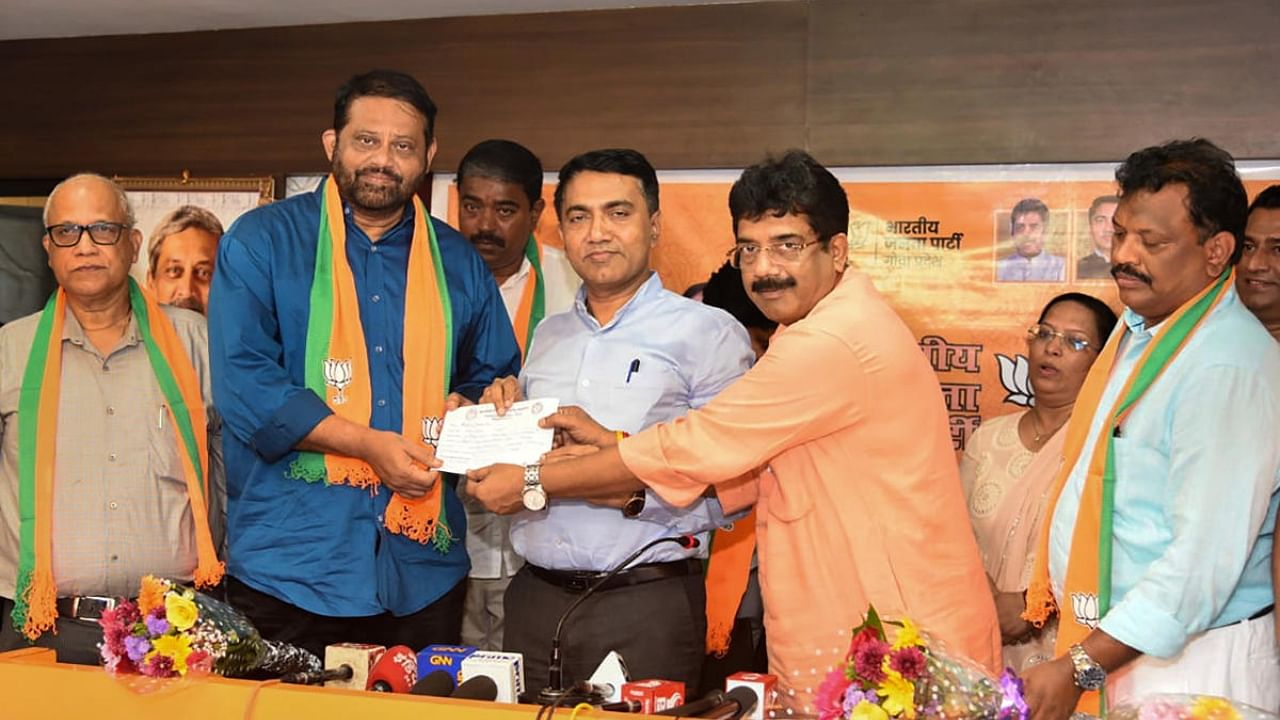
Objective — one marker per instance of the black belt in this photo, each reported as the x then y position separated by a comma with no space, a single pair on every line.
84,607
1263,612
579,581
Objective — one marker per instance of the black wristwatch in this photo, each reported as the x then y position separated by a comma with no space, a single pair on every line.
634,505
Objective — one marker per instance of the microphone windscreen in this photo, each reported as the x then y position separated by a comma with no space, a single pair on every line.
396,671
437,683
746,698
689,542
480,687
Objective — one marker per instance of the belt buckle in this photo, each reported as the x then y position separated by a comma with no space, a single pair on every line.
580,583
96,602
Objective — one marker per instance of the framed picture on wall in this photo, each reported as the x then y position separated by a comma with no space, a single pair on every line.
156,200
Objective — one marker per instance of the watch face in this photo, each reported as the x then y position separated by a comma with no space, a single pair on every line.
534,499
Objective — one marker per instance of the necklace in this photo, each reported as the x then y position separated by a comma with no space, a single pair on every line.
1040,433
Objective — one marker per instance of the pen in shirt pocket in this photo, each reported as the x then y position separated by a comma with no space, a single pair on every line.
164,409
635,368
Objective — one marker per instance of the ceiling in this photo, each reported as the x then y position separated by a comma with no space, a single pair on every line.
25,19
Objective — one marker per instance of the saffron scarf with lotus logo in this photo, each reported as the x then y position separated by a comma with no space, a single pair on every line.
337,363
35,600
1087,586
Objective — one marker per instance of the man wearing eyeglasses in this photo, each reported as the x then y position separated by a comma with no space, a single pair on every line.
97,493
839,430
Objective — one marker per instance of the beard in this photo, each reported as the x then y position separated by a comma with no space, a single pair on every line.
357,190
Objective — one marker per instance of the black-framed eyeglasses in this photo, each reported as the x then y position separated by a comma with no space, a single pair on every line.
101,233
746,254
1043,333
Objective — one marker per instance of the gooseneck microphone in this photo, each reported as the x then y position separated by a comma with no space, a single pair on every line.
555,690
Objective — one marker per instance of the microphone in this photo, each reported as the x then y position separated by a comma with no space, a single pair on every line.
737,703
437,683
318,677
480,687
695,708
555,690
624,706
346,665
395,672
505,669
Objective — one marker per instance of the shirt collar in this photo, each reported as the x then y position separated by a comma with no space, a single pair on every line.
649,290
73,331
396,234
520,275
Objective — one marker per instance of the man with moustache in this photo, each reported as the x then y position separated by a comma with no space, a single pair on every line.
181,252
1030,262
1097,264
499,204
339,320
840,431
109,445
1157,549
1258,282
633,354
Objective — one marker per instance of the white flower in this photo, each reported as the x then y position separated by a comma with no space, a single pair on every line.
1014,376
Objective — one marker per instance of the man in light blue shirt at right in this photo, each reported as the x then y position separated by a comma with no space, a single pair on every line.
632,354
1196,461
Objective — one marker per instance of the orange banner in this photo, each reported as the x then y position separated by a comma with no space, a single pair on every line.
933,248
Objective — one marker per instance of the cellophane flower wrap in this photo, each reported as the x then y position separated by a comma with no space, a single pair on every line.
171,630
893,670
1186,707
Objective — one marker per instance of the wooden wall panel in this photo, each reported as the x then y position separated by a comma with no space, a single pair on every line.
688,86
859,82
1008,81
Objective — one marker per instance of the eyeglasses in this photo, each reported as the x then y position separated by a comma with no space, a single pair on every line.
102,233
746,254
1043,333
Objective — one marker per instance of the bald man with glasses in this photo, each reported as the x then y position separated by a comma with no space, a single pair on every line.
110,460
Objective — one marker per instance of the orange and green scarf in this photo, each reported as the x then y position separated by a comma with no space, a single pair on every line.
1088,578
337,363
533,302
35,599
727,572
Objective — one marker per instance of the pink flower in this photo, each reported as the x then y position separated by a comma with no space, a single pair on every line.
865,635
1160,709
909,662
868,661
160,666
830,695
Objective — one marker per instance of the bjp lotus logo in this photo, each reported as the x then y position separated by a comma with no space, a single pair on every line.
337,375
1085,608
431,430
1014,376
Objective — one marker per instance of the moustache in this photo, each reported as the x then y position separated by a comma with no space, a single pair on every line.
388,172
190,303
1129,271
771,283
487,238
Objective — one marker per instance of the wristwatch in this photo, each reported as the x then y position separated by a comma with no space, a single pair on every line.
533,495
1089,675
634,505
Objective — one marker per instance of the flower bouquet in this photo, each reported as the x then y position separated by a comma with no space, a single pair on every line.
172,630
912,679
1186,707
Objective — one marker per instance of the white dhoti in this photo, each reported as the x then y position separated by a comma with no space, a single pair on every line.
1240,662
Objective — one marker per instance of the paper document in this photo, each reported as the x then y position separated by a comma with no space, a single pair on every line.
475,436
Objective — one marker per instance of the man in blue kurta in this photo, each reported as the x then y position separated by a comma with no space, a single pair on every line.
317,563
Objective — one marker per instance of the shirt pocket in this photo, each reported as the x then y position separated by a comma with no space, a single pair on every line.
635,406
787,502
1142,491
164,462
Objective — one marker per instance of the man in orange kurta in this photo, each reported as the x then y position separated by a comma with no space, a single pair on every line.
839,433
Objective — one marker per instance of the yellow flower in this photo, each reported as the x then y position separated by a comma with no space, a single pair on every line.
177,647
151,595
179,611
868,711
908,635
1213,708
899,695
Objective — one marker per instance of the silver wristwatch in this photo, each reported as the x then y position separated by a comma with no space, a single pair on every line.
533,495
1089,675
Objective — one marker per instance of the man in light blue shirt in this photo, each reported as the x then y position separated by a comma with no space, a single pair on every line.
632,354
1030,262
1196,461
